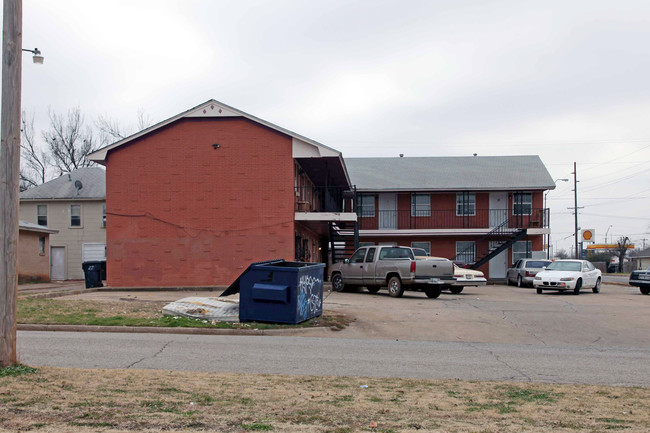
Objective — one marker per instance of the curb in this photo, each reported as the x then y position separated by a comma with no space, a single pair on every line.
160,330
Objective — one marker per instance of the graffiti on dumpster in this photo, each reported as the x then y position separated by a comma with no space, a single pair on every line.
309,296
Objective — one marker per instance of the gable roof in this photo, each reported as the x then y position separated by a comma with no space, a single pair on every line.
450,173
92,181
303,146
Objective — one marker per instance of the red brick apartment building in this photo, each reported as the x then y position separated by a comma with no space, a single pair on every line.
482,210
193,200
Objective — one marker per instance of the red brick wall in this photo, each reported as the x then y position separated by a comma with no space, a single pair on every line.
181,213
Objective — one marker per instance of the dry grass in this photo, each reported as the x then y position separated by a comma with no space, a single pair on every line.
70,400
137,313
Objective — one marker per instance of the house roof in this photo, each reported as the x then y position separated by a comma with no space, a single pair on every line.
450,173
31,227
81,184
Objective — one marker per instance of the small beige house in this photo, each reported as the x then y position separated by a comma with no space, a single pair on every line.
75,205
34,252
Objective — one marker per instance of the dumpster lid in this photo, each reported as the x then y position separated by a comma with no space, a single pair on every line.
234,287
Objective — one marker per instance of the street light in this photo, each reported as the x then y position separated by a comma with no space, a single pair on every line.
610,226
548,241
38,59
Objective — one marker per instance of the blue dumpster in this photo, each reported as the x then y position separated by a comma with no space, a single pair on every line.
279,291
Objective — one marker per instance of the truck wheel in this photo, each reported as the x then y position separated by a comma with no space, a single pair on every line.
395,288
520,283
576,291
596,288
373,289
645,290
434,292
456,290
337,283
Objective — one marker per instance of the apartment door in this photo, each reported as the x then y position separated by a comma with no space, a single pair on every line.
498,264
498,208
387,211
57,263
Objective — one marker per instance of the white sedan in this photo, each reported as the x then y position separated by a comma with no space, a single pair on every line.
568,275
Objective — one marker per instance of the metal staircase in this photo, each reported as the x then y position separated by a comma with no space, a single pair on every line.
502,237
344,239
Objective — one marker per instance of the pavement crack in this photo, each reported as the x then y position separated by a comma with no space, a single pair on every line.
495,356
150,357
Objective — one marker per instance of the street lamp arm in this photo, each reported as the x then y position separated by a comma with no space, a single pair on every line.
38,58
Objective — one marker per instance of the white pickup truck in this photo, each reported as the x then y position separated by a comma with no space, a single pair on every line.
394,268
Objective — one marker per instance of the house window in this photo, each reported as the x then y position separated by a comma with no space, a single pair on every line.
75,215
466,251
104,215
366,206
41,212
465,204
522,203
521,250
420,205
426,246
41,245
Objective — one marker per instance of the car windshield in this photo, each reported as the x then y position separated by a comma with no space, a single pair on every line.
565,266
538,264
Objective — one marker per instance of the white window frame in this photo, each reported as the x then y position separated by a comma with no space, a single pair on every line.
39,215
80,217
520,250
460,251
366,206
465,201
525,204
420,205
426,246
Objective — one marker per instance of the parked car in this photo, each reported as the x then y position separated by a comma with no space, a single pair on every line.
565,275
394,268
523,272
641,279
464,277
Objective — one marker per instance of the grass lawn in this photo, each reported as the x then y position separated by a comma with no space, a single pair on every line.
137,313
73,400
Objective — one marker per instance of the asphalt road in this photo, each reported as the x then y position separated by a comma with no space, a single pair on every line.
339,357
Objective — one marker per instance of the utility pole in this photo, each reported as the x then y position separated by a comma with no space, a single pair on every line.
9,176
575,208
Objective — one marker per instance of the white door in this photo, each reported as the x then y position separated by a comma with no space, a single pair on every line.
498,264
498,208
387,211
57,263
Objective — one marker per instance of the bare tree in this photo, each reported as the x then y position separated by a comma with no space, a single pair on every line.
621,250
35,162
111,130
561,254
69,141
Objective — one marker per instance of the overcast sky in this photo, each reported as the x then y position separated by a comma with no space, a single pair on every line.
565,80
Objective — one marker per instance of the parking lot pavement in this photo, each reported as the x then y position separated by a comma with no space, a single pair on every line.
618,316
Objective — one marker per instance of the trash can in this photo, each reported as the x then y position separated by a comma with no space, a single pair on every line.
92,273
279,291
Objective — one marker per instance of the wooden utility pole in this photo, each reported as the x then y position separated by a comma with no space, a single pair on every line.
575,209
12,38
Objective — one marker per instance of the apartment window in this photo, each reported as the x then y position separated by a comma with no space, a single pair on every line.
420,205
522,203
41,212
426,246
366,206
75,215
466,251
366,244
104,215
521,250
465,204
41,244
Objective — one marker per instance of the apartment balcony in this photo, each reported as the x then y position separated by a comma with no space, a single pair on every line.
483,220
317,206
